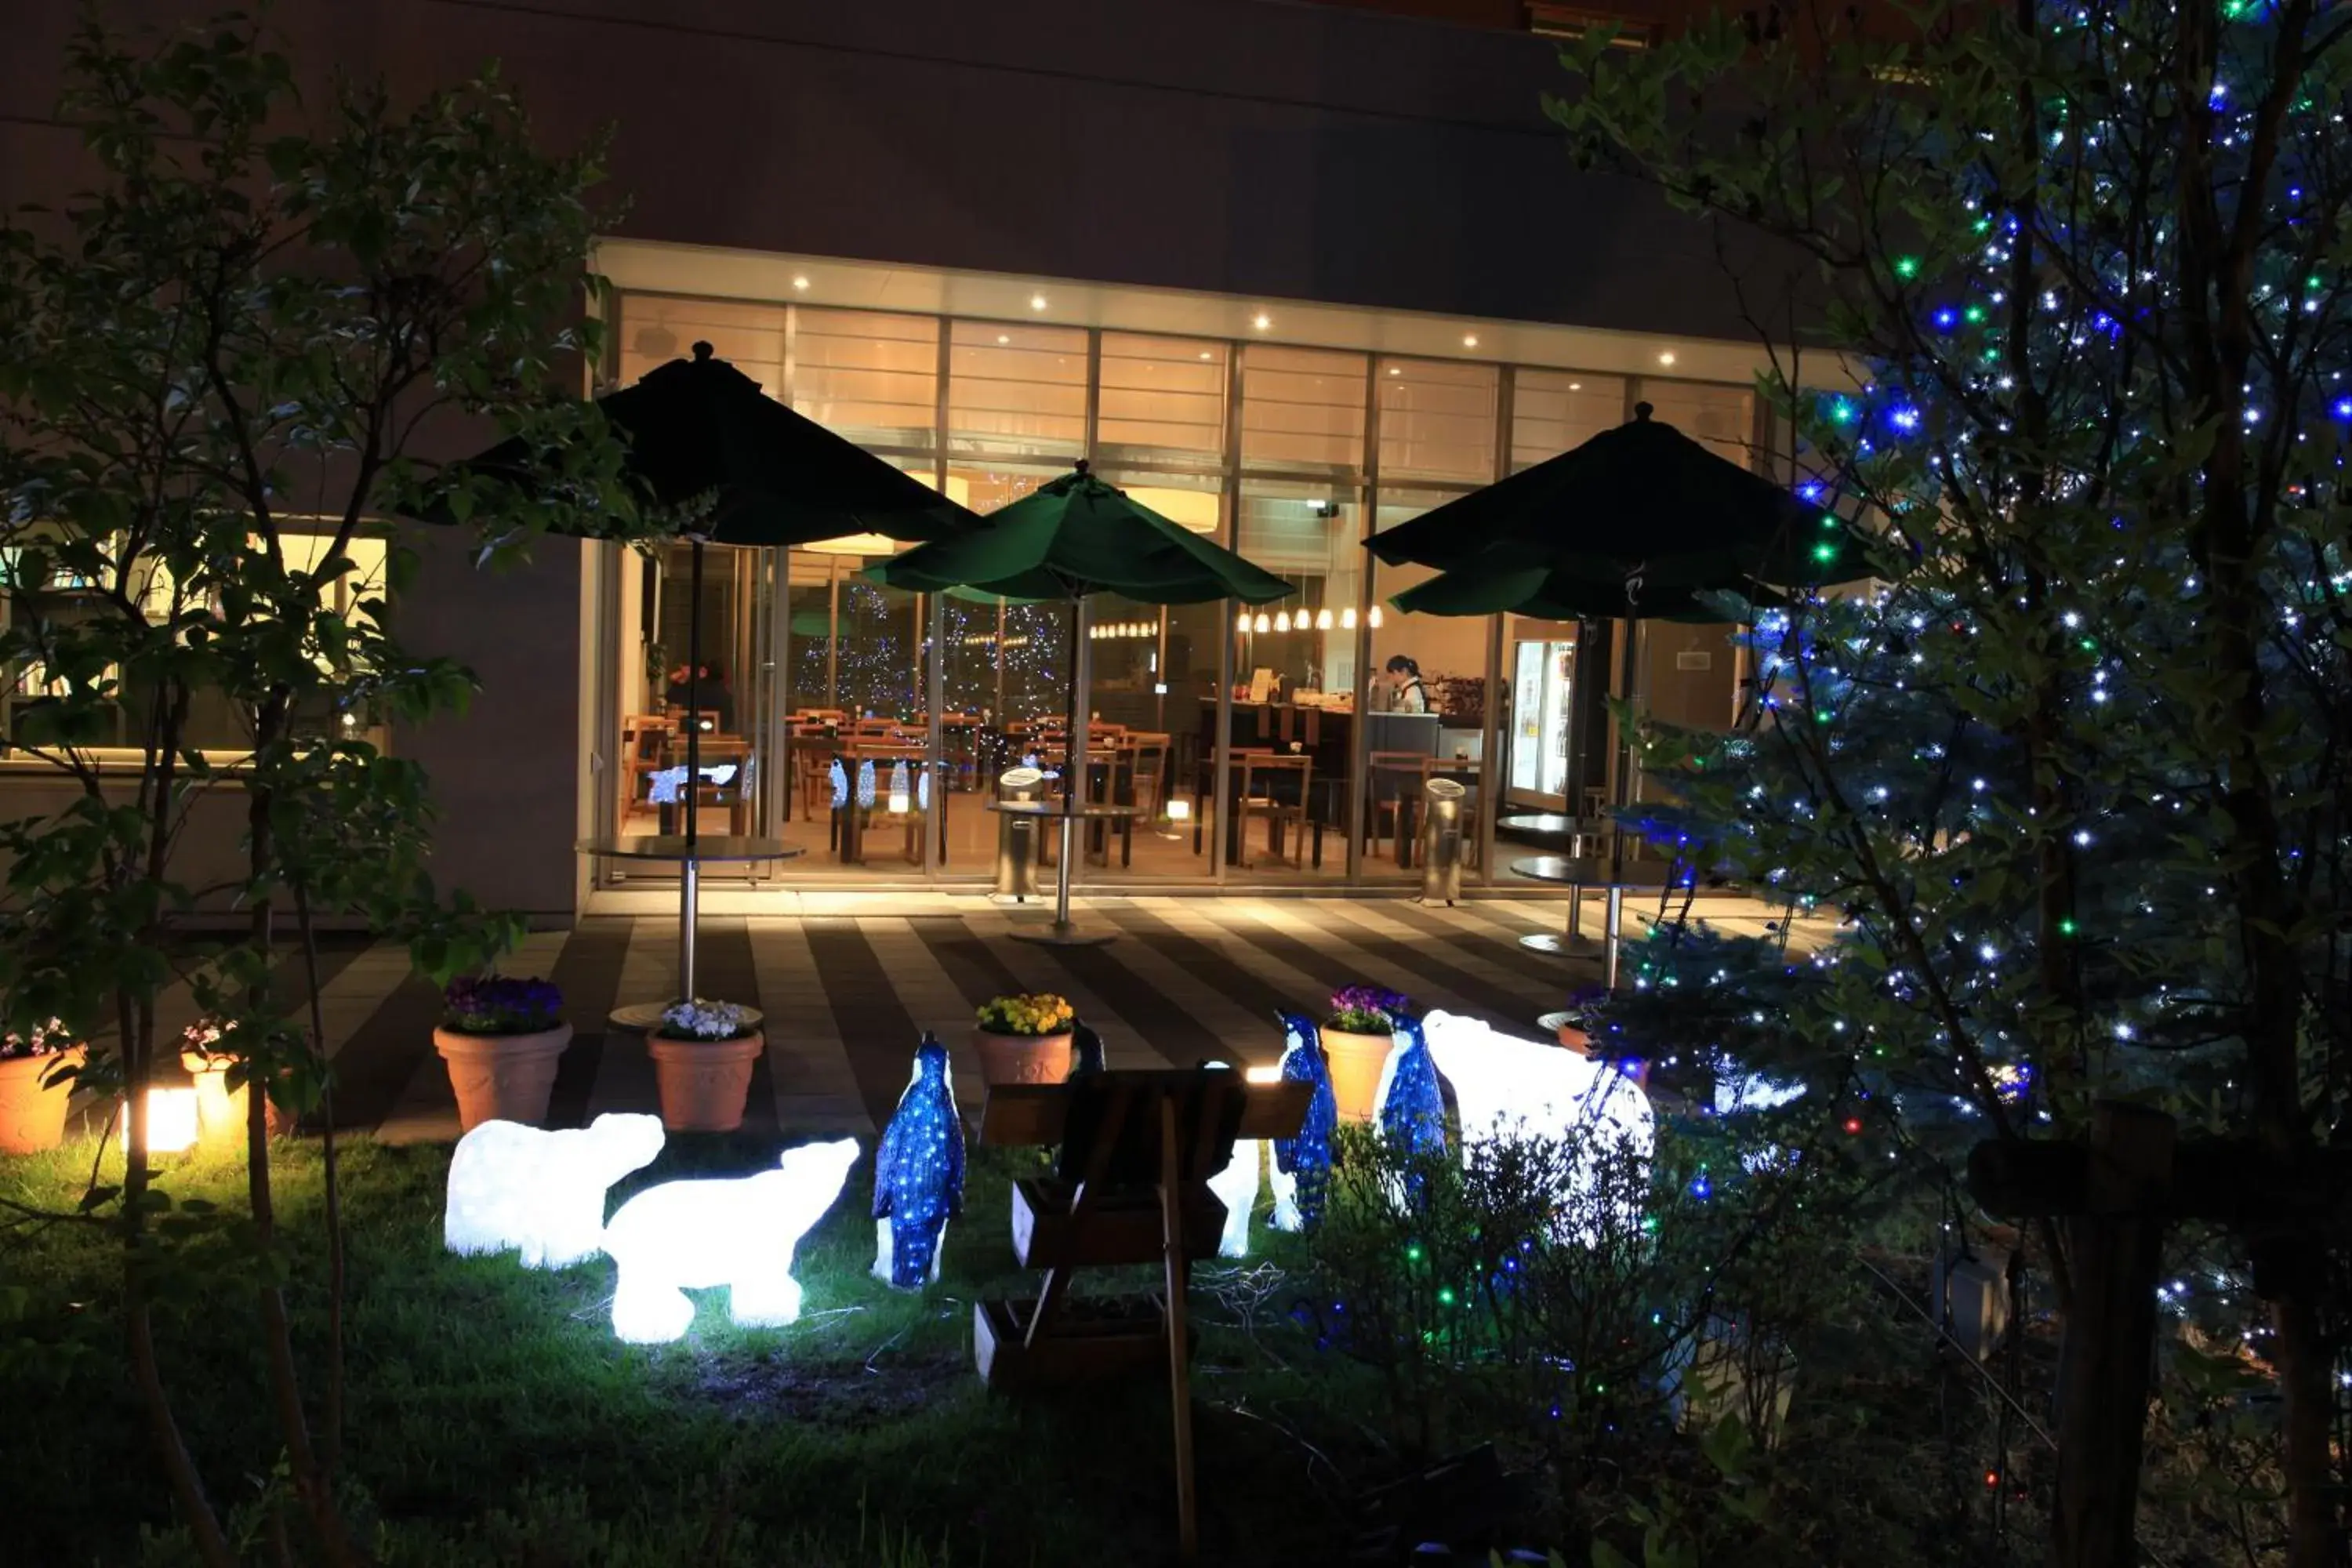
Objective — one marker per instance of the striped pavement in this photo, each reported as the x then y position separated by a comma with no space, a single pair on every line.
847,995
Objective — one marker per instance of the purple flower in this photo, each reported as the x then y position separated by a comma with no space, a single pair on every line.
499,1005
1366,1009
40,1040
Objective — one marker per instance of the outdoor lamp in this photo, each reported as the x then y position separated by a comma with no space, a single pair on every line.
171,1122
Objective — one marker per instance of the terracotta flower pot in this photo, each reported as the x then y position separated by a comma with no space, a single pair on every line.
221,1114
1355,1061
704,1083
33,1114
502,1078
1022,1059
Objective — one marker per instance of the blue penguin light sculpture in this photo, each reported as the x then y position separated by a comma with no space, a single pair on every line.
1302,1165
917,1174
1412,1106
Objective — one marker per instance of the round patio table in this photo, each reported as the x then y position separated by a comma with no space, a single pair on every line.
690,859
1581,872
1062,932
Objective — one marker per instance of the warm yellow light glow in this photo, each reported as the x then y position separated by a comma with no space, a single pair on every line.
1271,1073
1667,357
1282,621
856,544
1265,622
1373,620
1263,321
1323,619
1348,618
1396,370
1470,340
171,1120
800,282
1004,337
1206,354
1180,810
1242,622
1576,387
1036,301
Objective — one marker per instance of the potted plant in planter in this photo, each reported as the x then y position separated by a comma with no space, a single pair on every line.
502,1039
1357,1033
703,1053
1024,1039
36,1071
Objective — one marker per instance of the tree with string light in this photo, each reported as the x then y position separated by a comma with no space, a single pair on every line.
2075,776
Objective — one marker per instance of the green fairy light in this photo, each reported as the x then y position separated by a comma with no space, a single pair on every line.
2066,926
1829,520
1825,551
1906,267
1445,1295
1413,1253
2090,645
1975,313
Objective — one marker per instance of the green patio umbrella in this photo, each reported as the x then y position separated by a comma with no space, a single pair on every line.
1067,540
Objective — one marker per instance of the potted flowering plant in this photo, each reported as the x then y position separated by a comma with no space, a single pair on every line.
36,1070
502,1039
1357,1033
1024,1039
703,1053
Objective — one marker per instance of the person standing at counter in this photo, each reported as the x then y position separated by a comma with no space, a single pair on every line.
1406,692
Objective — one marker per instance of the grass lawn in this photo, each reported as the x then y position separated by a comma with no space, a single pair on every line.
493,1418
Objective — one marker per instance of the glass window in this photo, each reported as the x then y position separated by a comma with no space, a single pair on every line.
1302,410
1437,420
1017,391
1311,536
1555,410
1005,661
1723,418
1162,400
871,377
1441,676
655,330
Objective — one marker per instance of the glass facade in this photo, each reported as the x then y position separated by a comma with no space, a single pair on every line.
1287,742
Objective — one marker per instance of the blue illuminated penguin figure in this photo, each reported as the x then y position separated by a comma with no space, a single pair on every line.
1412,1106
1302,1165
917,1174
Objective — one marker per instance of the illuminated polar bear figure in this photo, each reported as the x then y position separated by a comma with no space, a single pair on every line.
1504,1085
540,1191
1237,1187
685,1235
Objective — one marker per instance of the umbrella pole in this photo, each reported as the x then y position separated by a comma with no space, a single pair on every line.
689,871
1630,685
1074,769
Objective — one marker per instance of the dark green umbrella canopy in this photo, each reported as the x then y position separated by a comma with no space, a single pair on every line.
1640,501
1076,536
1559,596
700,427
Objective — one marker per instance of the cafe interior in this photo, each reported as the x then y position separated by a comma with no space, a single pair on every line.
872,729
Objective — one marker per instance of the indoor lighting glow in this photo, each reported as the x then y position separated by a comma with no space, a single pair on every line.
1205,355
1180,810
1470,340
1242,622
1265,622
1373,619
1348,618
854,544
1323,619
1282,621
541,1191
683,1236
1576,387
171,1122
1004,337
1396,370
1667,358
1036,301
1262,322
800,282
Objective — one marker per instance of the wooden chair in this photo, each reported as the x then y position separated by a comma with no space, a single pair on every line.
1147,770
1131,1185
643,738
1386,776
1281,802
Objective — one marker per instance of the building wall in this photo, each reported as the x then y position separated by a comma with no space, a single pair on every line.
1245,147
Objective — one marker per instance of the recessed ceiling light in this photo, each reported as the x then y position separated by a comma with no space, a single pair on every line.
1004,337
1204,354
1667,357
1036,301
1263,321
1396,370
1576,387
801,282
1470,340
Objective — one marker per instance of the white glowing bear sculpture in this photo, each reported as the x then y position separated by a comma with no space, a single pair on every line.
1503,1085
684,1235
542,1191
